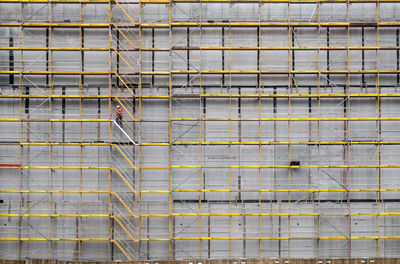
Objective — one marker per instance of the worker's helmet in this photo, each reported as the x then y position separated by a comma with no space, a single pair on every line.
118,106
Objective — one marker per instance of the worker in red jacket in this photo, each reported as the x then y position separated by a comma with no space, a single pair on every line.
118,116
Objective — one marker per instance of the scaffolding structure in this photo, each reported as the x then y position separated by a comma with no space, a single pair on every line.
251,129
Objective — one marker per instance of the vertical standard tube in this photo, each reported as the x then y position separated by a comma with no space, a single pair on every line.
117,57
327,56
362,57
397,56
98,114
47,54
27,100
63,113
83,54
188,54
152,57
11,60
223,54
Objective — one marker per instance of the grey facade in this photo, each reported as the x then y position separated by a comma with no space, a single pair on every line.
252,129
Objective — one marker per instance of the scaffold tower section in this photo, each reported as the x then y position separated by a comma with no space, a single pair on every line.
251,129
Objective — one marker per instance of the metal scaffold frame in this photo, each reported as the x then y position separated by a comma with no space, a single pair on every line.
128,164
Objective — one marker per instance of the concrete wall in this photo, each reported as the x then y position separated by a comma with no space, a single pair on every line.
324,207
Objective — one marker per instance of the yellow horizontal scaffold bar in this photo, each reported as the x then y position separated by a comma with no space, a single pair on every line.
210,143
154,191
78,168
270,214
51,239
209,191
291,119
280,143
268,24
64,168
57,1
287,190
283,166
55,215
202,214
54,191
272,238
194,1
55,120
284,238
204,72
263,95
205,238
203,24
206,48
272,48
275,72
198,166
45,25
57,72
63,143
218,119
54,49
263,1
293,95
291,48
55,96
269,190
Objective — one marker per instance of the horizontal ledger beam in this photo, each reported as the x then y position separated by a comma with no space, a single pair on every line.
193,1
262,95
202,24
284,166
210,238
205,72
51,239
56,215
149,144
291,201
54,96
207,48
55,191
204,214
221,190
215,119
